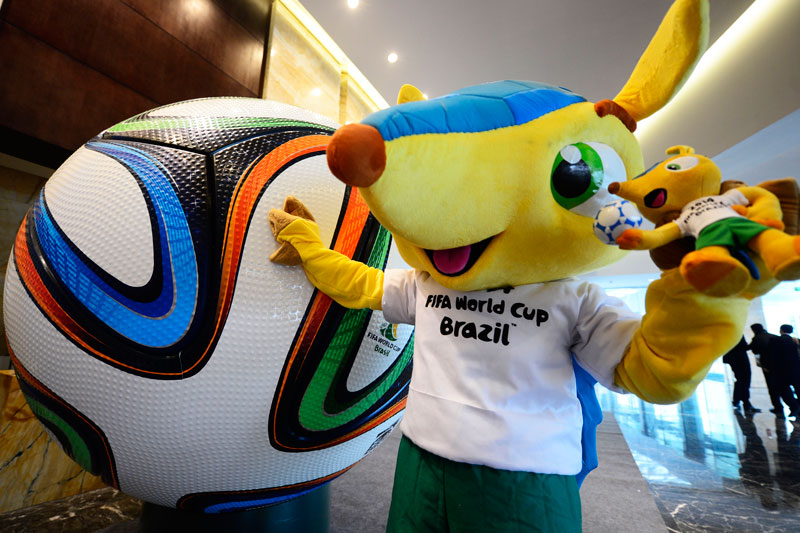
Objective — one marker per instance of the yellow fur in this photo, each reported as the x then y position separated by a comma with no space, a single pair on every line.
409,93
496,183
670,57
682,187
351,283
680,336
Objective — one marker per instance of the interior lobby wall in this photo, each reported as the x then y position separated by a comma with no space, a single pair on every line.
301,72
307,69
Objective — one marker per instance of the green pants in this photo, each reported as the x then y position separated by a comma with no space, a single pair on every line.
735,232
433,494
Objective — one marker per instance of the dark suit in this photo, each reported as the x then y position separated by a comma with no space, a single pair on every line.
766,346
787,361
740,365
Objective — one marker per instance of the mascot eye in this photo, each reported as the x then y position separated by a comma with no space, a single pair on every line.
580,175
682,163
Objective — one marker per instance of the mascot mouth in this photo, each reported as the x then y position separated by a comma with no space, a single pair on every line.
456,261
656,198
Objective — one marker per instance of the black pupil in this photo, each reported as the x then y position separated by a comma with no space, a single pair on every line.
571,180
673,167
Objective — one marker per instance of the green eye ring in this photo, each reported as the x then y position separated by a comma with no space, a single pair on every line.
673,166
577,175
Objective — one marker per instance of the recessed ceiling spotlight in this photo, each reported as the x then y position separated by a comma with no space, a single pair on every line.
316,91
352,4
392,58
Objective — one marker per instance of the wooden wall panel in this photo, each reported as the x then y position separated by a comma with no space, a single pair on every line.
76,66
253,15
55,98
113,38
203,27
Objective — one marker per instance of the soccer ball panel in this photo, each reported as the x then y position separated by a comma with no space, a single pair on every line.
614,218
210,124
71,195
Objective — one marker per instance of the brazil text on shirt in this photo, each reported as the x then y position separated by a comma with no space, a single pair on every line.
494,333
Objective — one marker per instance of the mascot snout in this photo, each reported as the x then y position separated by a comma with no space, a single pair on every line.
357,155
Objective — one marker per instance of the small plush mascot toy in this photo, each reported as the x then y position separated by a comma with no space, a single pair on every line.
490,194
725,225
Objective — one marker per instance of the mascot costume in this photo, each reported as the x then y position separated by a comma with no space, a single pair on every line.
490,193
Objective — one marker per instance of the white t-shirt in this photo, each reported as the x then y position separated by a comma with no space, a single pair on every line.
492,381
697,215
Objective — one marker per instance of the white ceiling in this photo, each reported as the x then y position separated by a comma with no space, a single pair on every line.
588,46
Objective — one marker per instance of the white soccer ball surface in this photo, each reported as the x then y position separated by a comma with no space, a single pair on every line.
614,218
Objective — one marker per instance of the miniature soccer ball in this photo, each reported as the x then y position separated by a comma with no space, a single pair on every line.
614,218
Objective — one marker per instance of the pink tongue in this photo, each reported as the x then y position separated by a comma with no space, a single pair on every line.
452,260
659,201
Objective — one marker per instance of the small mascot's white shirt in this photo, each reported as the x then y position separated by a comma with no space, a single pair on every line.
696,216
492,381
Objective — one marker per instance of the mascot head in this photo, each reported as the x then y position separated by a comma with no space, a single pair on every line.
671,184
497,184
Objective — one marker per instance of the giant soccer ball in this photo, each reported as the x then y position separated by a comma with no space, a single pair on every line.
157,343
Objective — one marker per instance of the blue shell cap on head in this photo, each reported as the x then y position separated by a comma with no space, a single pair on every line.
473,109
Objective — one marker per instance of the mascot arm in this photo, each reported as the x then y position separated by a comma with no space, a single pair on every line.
764,206
681,334
350,283
636,239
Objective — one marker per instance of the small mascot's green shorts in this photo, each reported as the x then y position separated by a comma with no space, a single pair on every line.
433,494
735,232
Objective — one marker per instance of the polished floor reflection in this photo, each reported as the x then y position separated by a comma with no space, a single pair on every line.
710,467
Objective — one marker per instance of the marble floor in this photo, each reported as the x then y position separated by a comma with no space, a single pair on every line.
709,468
712,468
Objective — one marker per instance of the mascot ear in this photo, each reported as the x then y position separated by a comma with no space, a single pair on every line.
409,93
680,149
668,60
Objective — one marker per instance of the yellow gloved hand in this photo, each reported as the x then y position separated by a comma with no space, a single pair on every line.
681,334
350,283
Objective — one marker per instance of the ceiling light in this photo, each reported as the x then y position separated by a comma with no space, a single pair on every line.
316,91
392,58
352,4
425,96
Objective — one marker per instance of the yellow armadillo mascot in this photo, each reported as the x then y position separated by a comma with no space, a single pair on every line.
724,225
489,194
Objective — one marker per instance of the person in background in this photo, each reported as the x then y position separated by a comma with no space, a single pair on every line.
789,359
740,365
764,345
787,329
